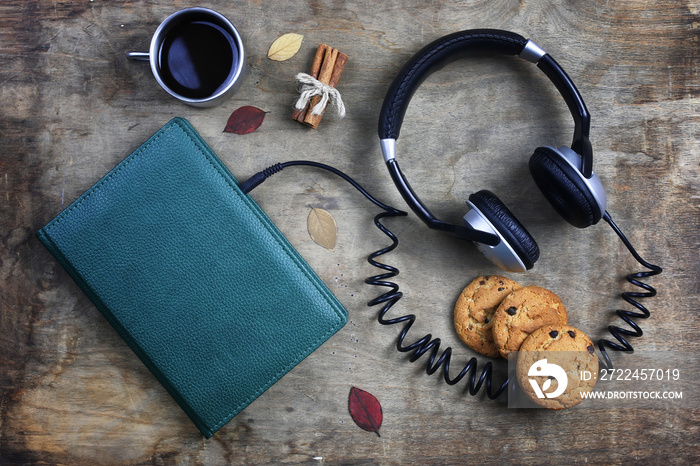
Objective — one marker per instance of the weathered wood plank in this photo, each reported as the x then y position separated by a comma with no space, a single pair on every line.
72,107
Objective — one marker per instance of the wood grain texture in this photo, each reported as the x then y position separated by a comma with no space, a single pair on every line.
72,107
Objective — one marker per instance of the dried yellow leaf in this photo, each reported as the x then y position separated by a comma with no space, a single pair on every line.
285,47
322,228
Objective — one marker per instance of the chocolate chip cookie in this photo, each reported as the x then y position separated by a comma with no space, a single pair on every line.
550,363
522,312
475,308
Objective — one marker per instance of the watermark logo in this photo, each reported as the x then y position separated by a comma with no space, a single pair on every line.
563,379
551,371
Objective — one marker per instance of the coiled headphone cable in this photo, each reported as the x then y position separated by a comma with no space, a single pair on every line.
432,346
630,297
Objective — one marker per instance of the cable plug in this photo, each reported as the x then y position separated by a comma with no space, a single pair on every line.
257,179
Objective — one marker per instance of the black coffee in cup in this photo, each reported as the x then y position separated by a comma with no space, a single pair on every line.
197,58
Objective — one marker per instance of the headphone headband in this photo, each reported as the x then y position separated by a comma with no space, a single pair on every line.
438,54
442,51
432,57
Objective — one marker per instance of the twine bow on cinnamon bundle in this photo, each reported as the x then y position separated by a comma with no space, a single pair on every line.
318,87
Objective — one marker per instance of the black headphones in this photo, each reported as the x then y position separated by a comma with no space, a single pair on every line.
564,175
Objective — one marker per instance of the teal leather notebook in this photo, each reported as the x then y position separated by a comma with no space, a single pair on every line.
193,275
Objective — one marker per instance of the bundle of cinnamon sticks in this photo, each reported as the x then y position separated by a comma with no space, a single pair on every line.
327,66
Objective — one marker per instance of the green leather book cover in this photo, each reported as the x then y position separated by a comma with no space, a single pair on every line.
193,275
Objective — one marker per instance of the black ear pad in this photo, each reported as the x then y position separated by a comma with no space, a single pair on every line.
507,225
564,188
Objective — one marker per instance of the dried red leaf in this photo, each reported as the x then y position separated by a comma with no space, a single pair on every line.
365,410
245,120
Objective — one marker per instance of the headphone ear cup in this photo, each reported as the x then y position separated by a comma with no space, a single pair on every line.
522,243
564,187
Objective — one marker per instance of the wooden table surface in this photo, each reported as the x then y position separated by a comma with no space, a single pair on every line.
72,106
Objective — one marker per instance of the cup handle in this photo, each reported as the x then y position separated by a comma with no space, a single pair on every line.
142,56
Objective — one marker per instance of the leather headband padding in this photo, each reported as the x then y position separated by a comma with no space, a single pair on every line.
434,56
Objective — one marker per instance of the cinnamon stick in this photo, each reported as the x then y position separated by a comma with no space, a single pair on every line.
298,114
313,120
329,58
327,66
